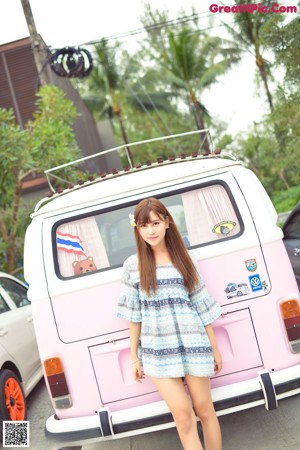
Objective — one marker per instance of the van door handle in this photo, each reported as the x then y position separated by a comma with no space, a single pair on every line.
29,318
3,332
227,319
113,346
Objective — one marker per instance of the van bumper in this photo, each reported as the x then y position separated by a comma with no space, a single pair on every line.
266,389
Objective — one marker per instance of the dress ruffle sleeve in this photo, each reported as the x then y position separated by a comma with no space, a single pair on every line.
129,306
206,306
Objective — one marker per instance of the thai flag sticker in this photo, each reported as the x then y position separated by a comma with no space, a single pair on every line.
69,243
255,283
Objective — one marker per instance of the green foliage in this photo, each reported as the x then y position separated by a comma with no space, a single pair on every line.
46,141
222,140
153,124
190,59
254,150
196,59
13,155
51,133
107,68
286,116
249,30
117,87
160,88
271,148
285,201
285,43
168,68
158,91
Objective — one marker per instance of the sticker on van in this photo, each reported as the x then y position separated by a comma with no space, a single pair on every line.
236,289
255,283
251,265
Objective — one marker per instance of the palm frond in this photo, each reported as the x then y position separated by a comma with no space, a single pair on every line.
212,73
106,59
151,101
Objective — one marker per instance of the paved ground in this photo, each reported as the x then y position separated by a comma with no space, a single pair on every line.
253,429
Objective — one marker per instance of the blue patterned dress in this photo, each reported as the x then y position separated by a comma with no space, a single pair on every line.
173,341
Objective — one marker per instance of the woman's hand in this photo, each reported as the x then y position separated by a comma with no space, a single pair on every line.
214,345
137,371
217,360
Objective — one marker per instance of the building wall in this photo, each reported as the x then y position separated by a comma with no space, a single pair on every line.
18,79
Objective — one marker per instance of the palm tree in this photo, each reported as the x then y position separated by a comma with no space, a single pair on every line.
193,61
108,80
248,31
117,83
252,33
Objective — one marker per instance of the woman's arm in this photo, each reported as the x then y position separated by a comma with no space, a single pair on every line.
135,331
217,355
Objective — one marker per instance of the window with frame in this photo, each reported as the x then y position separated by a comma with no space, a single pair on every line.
102,241
3,305
292,230
17,292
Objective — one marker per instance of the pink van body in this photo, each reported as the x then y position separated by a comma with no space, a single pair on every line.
246,269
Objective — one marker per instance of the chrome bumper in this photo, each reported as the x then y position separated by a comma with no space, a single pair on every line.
265,389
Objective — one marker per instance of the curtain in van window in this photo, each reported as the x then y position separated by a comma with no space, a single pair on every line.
90,241
209,215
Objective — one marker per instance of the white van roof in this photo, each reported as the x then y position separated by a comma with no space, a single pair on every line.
134,180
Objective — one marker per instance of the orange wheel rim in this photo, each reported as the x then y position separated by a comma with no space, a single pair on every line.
15,401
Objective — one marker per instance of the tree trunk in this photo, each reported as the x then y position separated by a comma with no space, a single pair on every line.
118,113
281,174
200,124
39,49
262,70
10,258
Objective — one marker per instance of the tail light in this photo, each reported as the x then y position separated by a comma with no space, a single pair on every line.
290,312
57,383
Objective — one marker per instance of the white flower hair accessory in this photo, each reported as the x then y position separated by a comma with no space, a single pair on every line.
132,220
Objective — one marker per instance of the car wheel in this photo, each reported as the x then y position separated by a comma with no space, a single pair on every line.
12,398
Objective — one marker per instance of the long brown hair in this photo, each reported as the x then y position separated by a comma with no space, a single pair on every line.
174,243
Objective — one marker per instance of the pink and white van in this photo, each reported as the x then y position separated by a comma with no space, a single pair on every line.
75,247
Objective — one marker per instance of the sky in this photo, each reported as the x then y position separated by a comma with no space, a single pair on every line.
235,99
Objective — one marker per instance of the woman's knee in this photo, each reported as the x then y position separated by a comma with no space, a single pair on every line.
204,411
185,420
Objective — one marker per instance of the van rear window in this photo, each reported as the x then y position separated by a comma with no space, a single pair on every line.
104,240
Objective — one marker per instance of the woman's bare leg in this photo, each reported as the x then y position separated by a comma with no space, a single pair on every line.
200,393
173,392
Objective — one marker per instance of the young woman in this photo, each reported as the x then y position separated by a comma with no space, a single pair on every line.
170,315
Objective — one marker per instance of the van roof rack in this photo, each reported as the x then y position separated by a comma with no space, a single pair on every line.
126,148
200,153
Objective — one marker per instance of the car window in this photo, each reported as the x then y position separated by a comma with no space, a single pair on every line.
16,291
104,240
3,305
292,230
